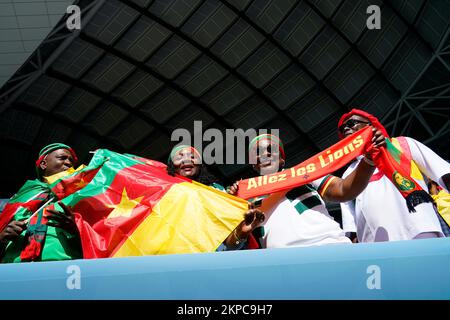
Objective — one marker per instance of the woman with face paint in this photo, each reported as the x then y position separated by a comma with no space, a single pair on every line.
299,217
186,161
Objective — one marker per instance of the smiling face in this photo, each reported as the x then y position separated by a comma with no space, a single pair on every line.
56,162
186,163
353,124
268,158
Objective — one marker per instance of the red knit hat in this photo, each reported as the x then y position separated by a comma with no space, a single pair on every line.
374,120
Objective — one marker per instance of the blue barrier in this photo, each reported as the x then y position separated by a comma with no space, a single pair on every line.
395,270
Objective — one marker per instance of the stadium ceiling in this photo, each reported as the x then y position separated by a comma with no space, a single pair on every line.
138,69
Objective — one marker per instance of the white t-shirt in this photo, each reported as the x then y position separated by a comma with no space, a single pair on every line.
380,213
298,218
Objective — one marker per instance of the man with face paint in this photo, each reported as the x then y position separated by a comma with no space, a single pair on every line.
299,217
61,233
380,213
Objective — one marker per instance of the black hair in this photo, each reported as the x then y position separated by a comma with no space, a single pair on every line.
204,175
432,182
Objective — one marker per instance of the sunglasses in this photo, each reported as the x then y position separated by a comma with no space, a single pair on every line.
351,124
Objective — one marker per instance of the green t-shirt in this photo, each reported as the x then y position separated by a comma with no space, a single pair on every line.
58,245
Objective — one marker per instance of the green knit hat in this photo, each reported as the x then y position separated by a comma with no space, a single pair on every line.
50,148
272,138
181,147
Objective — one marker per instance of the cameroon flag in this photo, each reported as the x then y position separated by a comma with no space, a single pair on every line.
34,193
38,242
132,207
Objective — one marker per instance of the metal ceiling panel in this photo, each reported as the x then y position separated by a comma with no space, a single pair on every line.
109,72
53,130
17,125
142,39
239,4
111,21
288,87
349,77
310,111
77,58
351,18
377,47
104,118
237,44
137,88
76,104
325,135
164,105
324,52
228,94
327,7
45,93
173,57
253,113
208,22
201,76
408,9
156,146
131,131
287,133
263,65
407,62
377,97
142,3
268,14
434,22
186,117
174,12
299,28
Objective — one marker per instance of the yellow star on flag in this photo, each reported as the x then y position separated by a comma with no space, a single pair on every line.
80,184
125,207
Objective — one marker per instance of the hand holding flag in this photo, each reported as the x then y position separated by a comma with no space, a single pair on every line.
12,231
64,220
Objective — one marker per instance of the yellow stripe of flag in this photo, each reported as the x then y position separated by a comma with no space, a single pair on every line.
189,218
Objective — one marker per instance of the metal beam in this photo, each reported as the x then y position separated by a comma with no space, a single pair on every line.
52,58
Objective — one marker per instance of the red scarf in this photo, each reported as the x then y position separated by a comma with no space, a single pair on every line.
387,159
321,164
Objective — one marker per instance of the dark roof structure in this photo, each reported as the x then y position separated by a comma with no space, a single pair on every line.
138,69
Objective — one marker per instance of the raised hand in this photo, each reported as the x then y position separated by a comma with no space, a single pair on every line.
234,188
252,219
64,220
378,139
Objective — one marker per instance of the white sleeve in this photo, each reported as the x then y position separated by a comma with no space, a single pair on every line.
318,182
348,208
429,163
348,216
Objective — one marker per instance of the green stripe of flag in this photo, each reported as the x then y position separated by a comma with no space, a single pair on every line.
395,153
